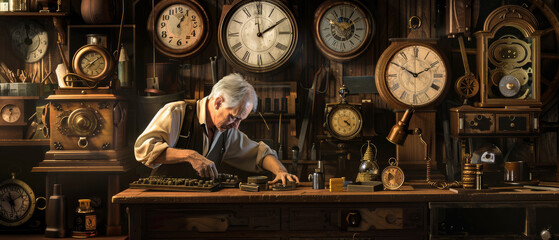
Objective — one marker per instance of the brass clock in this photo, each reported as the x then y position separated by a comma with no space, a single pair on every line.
17,202
343,29
392,176
412,73
179,28
344,121
93,62
257,36
29,40
508,50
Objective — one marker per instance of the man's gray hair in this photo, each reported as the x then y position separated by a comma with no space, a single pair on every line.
235,90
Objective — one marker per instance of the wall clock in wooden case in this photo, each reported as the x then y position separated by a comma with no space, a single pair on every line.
257,36
343,29
412,73
508,56
29,40
179,28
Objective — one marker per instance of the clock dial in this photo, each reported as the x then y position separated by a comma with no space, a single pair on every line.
29,41
392,177
10,113
258,35
17,202
92,63
344,121
412,75
343,29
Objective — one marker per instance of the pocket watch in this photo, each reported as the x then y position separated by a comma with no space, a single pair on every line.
342,29
392,176
17,202
182,28
29,40
257,36
93,62
412,74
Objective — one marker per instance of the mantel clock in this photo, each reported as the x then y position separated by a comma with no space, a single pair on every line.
343,120
508,52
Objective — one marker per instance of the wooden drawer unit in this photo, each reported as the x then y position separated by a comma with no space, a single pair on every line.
471,121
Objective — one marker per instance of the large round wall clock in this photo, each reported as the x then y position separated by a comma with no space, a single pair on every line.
179,28
412,74
343,29
257,36
29,40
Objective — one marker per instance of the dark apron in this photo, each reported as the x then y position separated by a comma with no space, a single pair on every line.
191,137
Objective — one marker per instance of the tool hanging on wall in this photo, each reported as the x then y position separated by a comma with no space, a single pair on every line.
310,102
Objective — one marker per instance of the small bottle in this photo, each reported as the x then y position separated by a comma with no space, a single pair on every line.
56,214
85,220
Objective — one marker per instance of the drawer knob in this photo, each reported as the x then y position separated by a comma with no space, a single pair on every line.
353,218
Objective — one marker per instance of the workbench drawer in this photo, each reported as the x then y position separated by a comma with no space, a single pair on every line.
213,220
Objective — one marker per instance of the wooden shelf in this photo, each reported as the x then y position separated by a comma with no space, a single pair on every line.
33,14
24,142
40,236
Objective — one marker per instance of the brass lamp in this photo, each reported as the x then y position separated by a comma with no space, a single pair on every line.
398,135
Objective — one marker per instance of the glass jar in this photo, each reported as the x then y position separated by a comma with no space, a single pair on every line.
85,220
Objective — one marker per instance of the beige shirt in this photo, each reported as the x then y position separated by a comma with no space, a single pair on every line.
163,131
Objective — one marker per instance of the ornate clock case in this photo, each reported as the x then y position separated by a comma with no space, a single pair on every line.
508,52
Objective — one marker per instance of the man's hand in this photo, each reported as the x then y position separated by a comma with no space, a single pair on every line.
202,165
284,177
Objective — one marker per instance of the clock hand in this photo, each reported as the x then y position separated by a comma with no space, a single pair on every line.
92,62
332,22
427,69
273,26
27,40
347,122
403,68
180,21
258,34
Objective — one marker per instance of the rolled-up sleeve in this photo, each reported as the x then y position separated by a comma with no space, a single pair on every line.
162,132
244,153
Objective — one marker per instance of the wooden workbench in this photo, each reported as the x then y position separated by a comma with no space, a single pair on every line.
319,214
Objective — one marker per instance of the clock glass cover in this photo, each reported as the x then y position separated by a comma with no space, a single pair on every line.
92,63
344,29
10,113
179,27
259,36
412,75
17,202
344,121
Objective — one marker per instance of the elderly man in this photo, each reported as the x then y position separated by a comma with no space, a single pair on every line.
187,138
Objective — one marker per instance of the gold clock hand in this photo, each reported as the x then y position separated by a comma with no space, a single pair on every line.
273,26
92,62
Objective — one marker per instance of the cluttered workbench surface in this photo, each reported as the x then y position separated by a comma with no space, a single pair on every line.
307,194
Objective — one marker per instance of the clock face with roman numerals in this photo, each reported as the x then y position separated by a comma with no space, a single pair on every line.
412,74
258,36
343,29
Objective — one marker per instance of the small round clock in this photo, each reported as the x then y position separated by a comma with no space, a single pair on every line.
342,29
412,74
258,36
17,202
182,28
392,176
10,113
93,62
344,121
29,40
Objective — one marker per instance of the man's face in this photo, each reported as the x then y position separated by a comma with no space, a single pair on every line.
226,117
